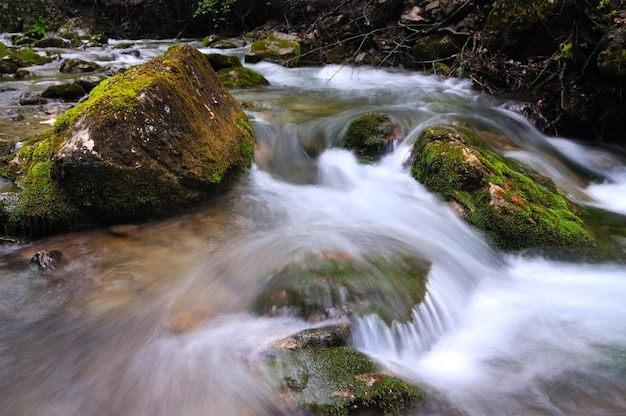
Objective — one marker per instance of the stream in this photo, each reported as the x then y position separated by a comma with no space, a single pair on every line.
154,318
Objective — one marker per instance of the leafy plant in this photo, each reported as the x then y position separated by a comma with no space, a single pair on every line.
216,9
40,27
603,4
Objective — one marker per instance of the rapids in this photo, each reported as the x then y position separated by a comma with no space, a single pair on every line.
153,318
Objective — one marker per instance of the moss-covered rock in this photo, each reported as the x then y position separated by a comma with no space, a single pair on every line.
147,142
331,286
337,379
513,206
241,77
220,61
232,74
70,92
51,42
78,66
21,57
276,47
371,135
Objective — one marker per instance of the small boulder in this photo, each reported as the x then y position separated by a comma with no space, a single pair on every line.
220,61
277,47
47,260
371,135
51,42
78,66
337,379
241,77
67,92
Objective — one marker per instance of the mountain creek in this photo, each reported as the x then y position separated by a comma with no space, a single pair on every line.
156,318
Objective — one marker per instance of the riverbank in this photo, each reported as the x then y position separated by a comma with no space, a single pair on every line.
564,59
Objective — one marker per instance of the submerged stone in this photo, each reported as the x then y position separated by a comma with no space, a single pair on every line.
330,286
146,143
514,207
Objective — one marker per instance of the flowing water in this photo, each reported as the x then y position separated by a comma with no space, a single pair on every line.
153,318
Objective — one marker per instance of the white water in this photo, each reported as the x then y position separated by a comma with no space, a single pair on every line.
498,334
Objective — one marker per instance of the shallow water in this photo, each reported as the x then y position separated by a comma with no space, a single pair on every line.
153,319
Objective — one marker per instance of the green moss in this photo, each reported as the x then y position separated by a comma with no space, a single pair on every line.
277,45
370,134
497,195
246,134
388,287
27,57
117,94
241,77
338,379
41,207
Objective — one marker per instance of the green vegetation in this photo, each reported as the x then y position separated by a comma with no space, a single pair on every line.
370,134
216,9
327,285
241,77
40,27
334,380
514,207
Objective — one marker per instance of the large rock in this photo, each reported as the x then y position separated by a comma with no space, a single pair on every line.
158,137
514,207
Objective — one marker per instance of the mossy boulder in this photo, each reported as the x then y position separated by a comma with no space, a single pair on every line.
220,61
241,77
51,42
277,47
147,142
333,285
371,134
336,379
78,66
513,206
70,92
21,57
232,74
